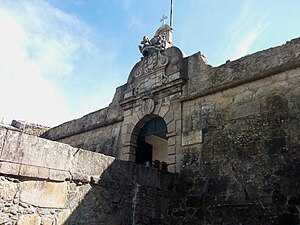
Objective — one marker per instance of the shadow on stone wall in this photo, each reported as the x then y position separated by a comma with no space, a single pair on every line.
126,194
247,170
46,182
131,194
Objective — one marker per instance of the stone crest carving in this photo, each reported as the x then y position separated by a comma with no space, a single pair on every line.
150,62
148,105
154,60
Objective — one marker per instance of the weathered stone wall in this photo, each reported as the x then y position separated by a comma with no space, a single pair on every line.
241,155
233,136
28,201
50,183
126,194
204,79
98,131
103,140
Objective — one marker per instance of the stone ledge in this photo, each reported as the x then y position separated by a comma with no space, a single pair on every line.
16,169
30,156
83,130
98,119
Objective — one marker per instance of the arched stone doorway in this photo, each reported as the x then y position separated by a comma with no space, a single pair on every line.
135,120
152,144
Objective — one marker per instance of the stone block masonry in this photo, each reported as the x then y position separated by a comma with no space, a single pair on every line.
233,136
246,168
50,183
102,131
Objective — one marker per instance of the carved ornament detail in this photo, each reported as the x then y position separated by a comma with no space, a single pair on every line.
162,39
154,68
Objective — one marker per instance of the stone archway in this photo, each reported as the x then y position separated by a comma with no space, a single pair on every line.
135,119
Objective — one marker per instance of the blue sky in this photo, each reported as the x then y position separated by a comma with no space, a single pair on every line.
62,59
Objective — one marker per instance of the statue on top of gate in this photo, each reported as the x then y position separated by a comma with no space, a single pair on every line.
162,39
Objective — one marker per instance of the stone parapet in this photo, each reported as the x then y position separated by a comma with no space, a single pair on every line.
205,79
100,118
30,156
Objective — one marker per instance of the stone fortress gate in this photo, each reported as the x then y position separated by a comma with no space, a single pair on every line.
151,129
171,101
230,134
148,126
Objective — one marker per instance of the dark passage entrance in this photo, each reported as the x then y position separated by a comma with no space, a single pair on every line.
144,152
152,142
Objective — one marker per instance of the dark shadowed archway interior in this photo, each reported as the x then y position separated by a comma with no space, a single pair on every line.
152,143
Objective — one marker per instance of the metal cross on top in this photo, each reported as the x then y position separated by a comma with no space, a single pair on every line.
164,17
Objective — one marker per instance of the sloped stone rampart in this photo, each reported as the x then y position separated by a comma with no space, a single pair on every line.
46,182
98,131
92,121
